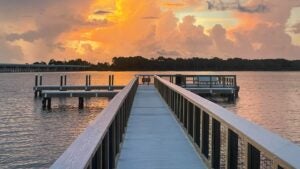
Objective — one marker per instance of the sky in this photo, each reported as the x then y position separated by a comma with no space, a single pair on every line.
98,30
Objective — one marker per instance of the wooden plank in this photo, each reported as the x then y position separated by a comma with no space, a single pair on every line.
79,93
55,87
154,139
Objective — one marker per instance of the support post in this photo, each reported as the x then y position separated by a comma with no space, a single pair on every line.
80,102
35,85
41,80
44,103
86,82
36,81
90,80
112,82
109,82
61,82
65,80
49,103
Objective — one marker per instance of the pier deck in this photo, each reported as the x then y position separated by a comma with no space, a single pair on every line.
154,139
98,93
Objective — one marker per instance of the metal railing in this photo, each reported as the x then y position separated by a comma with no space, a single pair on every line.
98,146
223,139
203,81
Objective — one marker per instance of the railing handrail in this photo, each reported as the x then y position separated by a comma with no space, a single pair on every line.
79,153
280,148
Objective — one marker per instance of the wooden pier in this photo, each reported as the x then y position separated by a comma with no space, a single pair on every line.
11,68
47,92
163,125
224,86
154,139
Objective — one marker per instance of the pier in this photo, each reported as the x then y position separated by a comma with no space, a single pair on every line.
163,125
47,92
223,86
11,68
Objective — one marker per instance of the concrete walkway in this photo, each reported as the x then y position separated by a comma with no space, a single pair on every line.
154,139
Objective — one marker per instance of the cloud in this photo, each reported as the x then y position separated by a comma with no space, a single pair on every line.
101,12
296,28
150,17
9,53
76,28
247,7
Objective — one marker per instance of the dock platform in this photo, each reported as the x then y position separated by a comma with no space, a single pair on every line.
154,139
64,88
98,93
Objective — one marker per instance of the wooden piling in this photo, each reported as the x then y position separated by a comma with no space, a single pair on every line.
80,102
36,84
41,80
86,82
36,81
90,80
112,80
49,103
65,80
44,103
61,82
109,82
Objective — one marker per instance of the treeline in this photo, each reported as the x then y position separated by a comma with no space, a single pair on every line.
139,63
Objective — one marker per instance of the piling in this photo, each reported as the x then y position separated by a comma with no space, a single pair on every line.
46,103
90,80
49,103
36,80
65,80
86,82
41,80
109,82
61,81
36,84
80,102
112,80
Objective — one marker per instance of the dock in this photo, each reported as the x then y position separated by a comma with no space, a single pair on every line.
224,86
47,92
11,68
165,126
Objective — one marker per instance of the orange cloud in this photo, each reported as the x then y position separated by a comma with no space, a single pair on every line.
97,30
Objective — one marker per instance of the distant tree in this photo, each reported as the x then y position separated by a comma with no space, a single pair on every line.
139,63
40,63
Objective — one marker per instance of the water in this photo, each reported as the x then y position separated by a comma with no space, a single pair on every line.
33,138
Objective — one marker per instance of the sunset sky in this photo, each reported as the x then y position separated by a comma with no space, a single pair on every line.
97,30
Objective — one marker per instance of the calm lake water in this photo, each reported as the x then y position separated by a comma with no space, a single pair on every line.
33,138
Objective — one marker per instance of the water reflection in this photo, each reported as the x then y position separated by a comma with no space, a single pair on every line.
33,138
